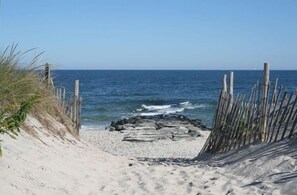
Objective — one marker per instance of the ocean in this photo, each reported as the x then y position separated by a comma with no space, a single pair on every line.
109,95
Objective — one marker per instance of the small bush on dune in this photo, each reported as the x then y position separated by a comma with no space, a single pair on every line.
12,117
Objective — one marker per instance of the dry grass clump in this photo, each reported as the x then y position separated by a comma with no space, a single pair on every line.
20,82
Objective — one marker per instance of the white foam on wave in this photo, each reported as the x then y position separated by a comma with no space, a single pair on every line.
185,103
161,112
150,114
153,110
192,107
175,110
155,107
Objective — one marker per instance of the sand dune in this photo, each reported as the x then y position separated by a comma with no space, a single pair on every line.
69,166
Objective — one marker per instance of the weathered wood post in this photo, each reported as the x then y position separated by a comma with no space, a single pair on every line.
47,75
230,92
79,113
231,85
63,99
264,115
60,95
274,92
75,105
225,83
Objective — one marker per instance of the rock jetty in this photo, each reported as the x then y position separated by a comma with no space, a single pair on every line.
153,128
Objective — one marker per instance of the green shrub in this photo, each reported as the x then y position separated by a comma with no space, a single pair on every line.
11,118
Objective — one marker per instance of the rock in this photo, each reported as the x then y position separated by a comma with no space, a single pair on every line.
177,137
194,133
113,124
140,139
153,128
184,129
125,120
128,126
120,122
150,124
168,129
119,127
111,128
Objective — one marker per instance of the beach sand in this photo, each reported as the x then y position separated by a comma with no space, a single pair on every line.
68,166
111,142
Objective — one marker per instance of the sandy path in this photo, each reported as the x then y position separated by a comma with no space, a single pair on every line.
68,166
73,167
112,143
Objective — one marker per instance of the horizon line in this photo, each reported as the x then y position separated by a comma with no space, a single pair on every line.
178,69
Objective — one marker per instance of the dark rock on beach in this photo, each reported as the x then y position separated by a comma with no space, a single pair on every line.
152,128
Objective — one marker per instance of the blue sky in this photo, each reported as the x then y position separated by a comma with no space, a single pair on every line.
151,34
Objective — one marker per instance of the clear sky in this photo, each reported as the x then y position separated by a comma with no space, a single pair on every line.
154,34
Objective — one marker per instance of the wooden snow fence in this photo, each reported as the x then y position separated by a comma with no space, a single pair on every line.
268,114
72,105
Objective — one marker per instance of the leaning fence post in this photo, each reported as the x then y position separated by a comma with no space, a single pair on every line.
264,117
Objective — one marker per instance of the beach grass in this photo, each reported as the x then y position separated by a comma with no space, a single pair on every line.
22,91
19,82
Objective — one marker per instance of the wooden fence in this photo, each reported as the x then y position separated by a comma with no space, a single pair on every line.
71,106
268,114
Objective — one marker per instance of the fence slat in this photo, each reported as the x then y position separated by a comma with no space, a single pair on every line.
282,117
290,115
294,124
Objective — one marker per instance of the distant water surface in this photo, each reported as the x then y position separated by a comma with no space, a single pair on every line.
110,95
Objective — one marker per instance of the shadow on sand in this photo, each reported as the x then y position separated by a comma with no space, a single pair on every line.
253,155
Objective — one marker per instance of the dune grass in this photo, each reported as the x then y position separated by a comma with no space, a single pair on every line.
23,91
21,88
18,83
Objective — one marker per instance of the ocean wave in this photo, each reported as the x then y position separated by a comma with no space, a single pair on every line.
192,107
162,112
172,111
185,103
153,110
155,107
150,114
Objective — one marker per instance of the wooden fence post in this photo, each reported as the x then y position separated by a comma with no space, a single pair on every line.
75,110
264,117
225,83
274,92
47,75
60,95
63,98
231,85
